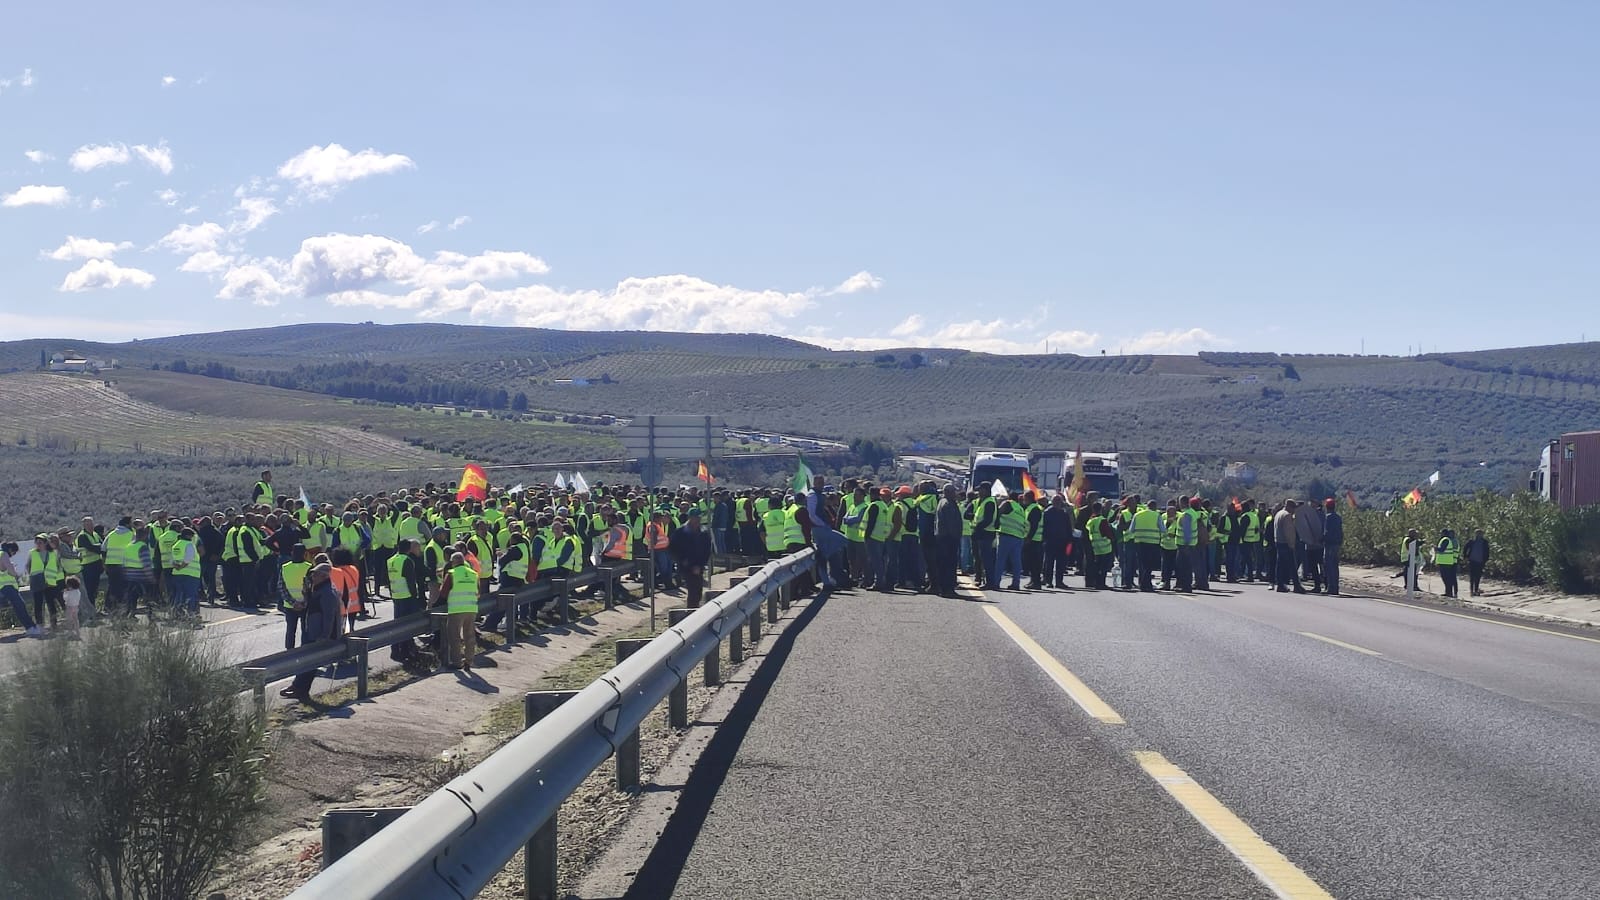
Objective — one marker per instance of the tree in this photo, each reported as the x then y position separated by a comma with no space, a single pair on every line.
44,361
1290,373
136,762
519,403
1319,489
178,365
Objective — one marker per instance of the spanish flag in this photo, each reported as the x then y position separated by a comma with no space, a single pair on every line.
705,474
474,483
1413,498
1028,487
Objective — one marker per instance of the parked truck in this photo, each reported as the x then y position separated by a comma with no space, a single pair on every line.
1052,470
1569,470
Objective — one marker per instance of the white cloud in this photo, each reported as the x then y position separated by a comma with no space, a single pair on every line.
207,262
85,248
998,336
93,156
159,156
190,210
251,282
24,80
459,221
37,156
96,203
1173,342
168,196
168,80
427,226
860,281
319,171
250,213
37,195
191,239
101,273
913,324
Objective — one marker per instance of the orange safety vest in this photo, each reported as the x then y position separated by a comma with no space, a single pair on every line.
347,581
656,536
620,548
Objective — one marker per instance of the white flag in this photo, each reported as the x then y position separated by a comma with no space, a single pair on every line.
1434,478
303,498
516,490
999,489
561,481
578,484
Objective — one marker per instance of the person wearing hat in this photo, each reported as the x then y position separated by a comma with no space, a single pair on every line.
321,623
1332,541
691,551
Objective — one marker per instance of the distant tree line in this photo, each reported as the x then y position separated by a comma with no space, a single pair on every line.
383,382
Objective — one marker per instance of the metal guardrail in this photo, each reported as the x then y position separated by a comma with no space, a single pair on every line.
456,840
358,644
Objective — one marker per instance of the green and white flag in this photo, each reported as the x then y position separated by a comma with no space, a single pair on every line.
802,477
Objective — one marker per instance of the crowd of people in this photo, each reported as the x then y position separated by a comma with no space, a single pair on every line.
324,565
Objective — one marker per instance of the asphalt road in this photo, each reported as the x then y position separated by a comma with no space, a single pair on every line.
913,747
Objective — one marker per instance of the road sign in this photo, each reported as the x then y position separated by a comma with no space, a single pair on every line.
674,437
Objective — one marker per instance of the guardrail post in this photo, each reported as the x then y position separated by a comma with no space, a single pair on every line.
781,595
257,678
650,588
539,857
359,645
753,570
565,599
508,609
678,700
627,757
755,628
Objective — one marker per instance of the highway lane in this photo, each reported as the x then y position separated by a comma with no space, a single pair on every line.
1425,754
1069,744
906,749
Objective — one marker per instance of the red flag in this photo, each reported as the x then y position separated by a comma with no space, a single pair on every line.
705,474
1234,502
1029,487
474,483
1415,497
1080,481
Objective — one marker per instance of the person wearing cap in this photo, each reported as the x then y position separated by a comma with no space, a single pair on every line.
321,623
691,551
1332,541
878,524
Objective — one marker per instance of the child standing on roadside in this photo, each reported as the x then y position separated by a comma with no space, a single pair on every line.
71,596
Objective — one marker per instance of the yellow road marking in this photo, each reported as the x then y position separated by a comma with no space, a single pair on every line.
1337,643
1068,682
1444,612
226,621
1282,877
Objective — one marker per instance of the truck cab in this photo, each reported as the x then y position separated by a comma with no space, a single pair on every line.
1004,466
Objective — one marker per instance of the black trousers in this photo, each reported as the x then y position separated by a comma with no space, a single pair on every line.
948,554
1447,574
1055,563
1149,561
1475,575
694,582
1033,561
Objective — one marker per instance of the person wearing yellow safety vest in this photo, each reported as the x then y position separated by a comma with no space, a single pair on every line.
1145,531
749,526
1097,534
985,529
877,523
460,590
407,588
773,521
293,571
263,493
1249,541
1033,541
1446,555
385,535
91,554
482,547
1011,523
185,575
1169,545
852,512
44,580
658,541
10,580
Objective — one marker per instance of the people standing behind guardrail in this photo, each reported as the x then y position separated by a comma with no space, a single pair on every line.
690,546
460,590
658,539
293,587
9,581
321,624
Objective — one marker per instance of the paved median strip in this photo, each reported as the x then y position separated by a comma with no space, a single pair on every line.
1064,679
1282,877
1337,643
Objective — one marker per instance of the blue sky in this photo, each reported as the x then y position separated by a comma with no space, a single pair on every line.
1157,177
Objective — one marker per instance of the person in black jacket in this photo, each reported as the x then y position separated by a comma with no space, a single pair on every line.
1476,553
1057,535
690,546
1332,540
947,534
321,624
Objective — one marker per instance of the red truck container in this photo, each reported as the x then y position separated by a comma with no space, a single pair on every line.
1575,469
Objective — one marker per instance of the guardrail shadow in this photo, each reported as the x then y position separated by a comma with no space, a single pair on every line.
659,875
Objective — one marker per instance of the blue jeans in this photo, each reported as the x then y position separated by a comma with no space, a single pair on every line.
877,565
663,560
1008,556
911,563
19,609
966,553
185,594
